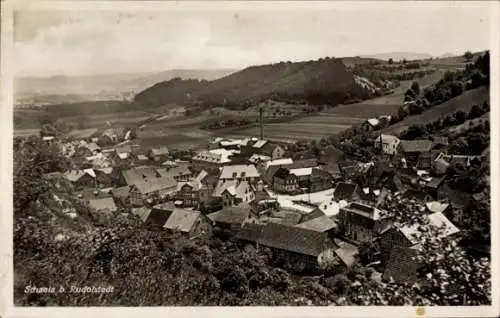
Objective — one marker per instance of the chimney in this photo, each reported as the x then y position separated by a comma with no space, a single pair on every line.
261,120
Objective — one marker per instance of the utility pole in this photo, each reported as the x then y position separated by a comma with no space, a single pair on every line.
261,119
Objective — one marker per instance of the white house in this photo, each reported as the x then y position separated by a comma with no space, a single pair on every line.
389,144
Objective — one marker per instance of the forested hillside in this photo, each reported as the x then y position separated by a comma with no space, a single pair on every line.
325,81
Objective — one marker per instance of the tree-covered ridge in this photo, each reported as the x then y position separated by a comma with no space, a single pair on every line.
325,81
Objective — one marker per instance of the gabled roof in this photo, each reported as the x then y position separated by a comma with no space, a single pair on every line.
301,172
156,184
436,206
142,213
239,171
387,139
441,221
416,145
182,220
278,162
364,210
270,172
121,192
373,122
344,191
139,174
177,171
346,252
234,187
234,214
75,175
303,163
330,155
259,144
101,204
289,238
162,151
319,224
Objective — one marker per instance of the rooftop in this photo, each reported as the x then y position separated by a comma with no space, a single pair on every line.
182,220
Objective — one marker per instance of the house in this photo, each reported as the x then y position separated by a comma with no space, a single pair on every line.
234,192
189,222
333,170
258,159
232,218
284,181
347,254
151,189
362,222
400,245
240,172
142,212
188,193
347,192
121,195
417,152
440,166
439,145
278,162
349,170
212,159
303,248
269,174
179,172
84,150
156,216
139,174
320,180
106,177
268,149
81,178
303,163
208,181
159,154
112,135
98,200
388,144
371,124
303,175
457,160
323,224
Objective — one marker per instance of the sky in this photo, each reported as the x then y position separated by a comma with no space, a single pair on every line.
77,42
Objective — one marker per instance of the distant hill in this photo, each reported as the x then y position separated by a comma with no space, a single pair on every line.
325,81
103,86
398,56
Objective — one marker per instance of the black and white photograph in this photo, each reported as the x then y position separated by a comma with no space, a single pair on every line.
319,154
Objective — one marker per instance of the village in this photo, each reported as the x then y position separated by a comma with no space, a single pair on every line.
320,212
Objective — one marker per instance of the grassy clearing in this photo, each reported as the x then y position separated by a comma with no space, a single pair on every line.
463,102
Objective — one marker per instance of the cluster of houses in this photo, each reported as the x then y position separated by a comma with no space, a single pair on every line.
249,190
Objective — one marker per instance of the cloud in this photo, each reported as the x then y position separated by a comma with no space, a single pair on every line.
89,42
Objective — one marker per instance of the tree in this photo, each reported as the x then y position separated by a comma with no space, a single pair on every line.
391,61
468,55
460,117
415,88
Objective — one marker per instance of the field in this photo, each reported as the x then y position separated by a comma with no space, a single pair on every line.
463,102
